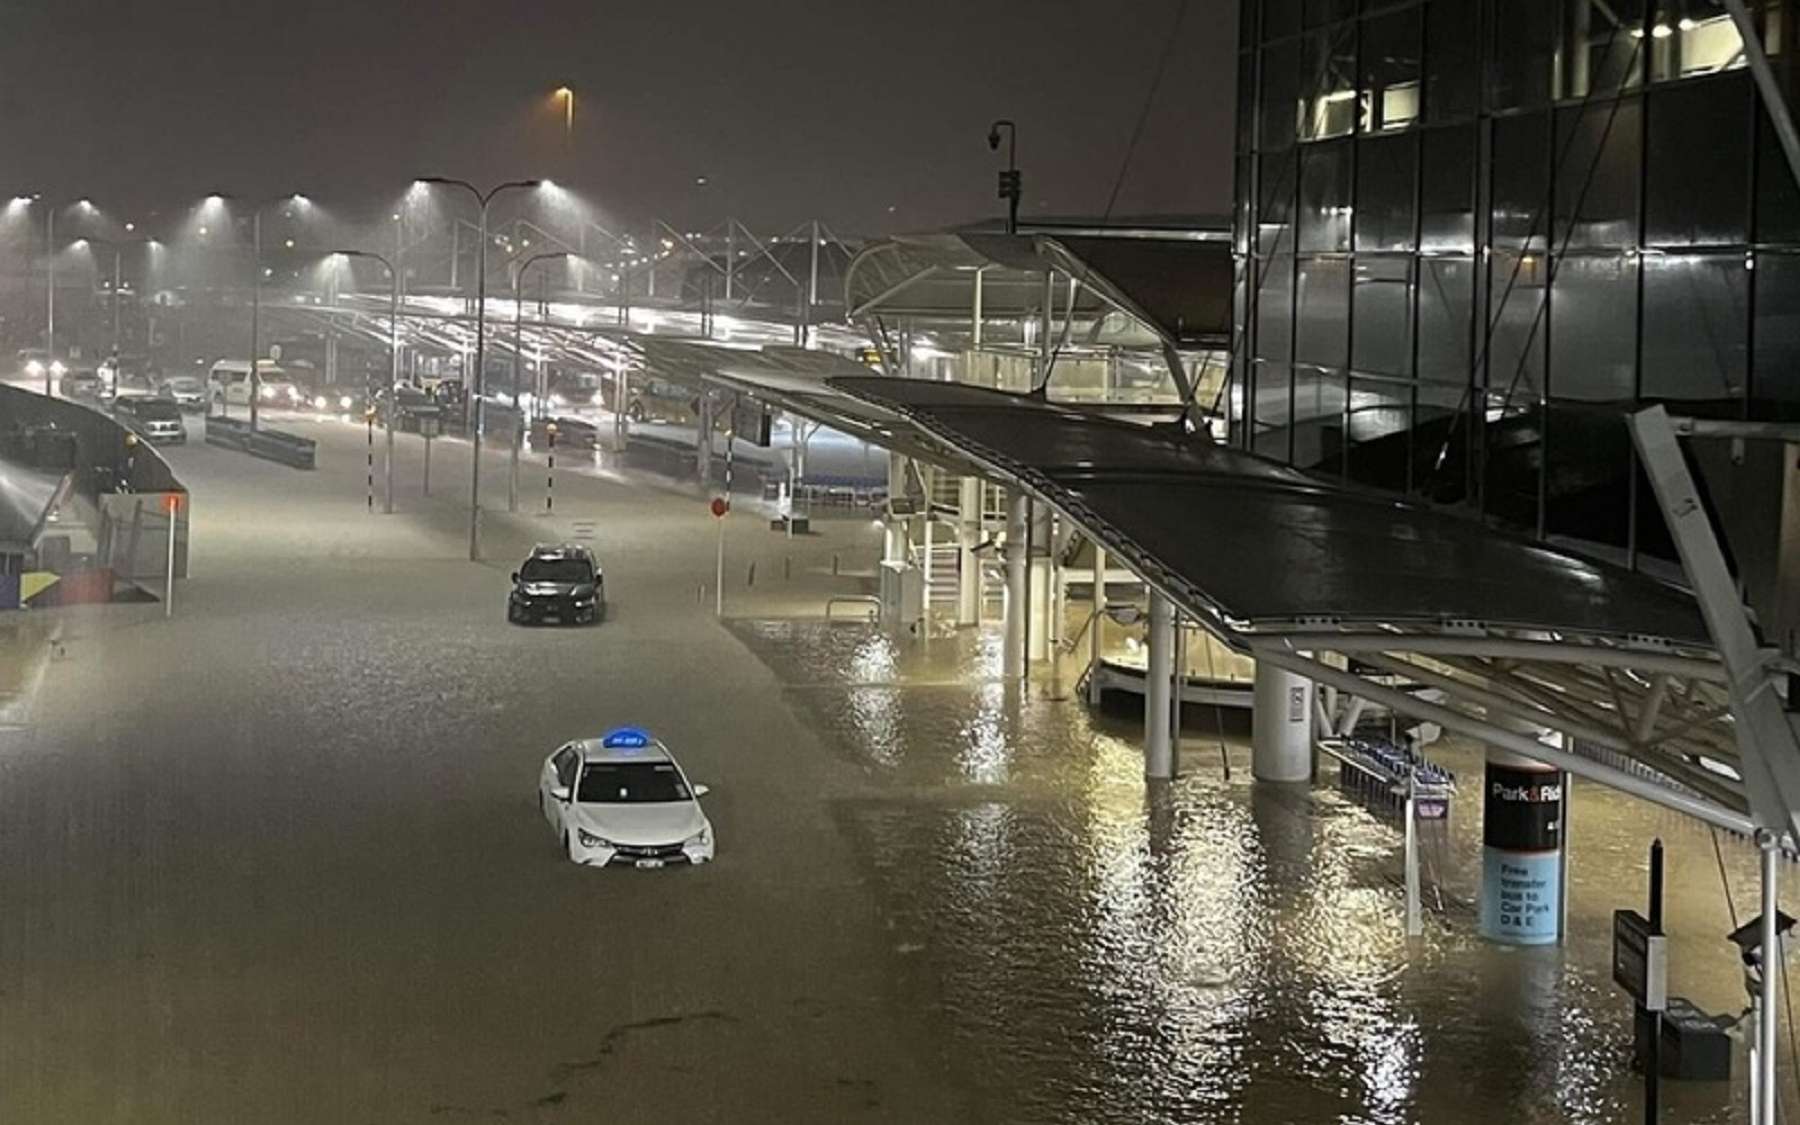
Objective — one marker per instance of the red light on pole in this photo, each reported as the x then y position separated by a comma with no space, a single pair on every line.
719,507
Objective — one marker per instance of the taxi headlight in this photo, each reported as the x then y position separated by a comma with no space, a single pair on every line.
319,402
589,840
56,367
344,402
700,839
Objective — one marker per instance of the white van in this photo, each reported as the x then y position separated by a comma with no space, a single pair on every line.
228,384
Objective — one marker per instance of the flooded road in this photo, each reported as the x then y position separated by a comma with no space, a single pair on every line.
277,860
1216,950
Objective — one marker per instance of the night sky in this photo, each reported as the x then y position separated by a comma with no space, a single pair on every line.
871,116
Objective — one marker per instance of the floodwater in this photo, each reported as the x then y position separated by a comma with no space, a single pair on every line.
1214,950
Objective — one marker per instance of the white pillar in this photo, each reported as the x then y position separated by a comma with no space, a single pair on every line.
1041,609
1281,725
1159,755
893,547
968,582
1014,549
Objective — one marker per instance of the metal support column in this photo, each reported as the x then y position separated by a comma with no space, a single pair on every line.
968,564
1096,625
1159,757
1014,551
1768,1015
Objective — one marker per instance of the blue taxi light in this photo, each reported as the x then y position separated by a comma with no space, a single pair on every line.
625,738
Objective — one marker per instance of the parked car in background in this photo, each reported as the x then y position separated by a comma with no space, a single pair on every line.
571,433
229,385
83,384
186,391
154,419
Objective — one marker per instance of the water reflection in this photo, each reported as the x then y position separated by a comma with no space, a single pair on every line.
1106,950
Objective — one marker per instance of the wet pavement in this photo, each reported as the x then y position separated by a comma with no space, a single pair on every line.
276,860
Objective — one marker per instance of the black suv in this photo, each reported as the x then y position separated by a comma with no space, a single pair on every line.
561,582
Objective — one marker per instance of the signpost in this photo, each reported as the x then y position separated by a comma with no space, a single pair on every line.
428,429
174,507
719,507
1640,965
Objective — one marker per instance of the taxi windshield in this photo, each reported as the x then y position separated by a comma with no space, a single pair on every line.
630,783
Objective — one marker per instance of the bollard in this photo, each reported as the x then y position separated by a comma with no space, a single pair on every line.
550,472
834,565
750,579
370,416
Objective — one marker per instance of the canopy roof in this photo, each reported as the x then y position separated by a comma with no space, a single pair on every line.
1178,284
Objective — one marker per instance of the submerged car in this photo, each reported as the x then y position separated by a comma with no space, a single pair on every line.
563,582
622,799
157,419
186,391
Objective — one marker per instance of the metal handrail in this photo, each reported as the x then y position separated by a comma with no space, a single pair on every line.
870,600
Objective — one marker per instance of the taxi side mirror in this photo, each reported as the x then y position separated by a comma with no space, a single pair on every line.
515,576
701,791
560,792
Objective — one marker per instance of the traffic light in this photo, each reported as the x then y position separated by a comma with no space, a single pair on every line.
1010,184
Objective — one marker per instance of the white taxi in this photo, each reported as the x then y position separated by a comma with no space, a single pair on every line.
622,799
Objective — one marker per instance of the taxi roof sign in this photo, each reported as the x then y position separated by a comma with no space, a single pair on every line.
625,738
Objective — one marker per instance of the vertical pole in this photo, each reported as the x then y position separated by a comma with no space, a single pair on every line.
1014,552
255,311
1415,924
968,564
719,572
512,474
1771,967
455,248
730,258
930,523
975,312
1025,589
169,578
427,489
1180,678
1096,625
50,300
812,285
1044,330
1653,1064
1158,675
115,311
387,502
479,384
1562,861
550,471
369,456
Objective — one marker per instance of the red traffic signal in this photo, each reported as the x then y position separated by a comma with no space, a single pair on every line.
720,506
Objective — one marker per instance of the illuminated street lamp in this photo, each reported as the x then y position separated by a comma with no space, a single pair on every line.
387,504
567,97
473,416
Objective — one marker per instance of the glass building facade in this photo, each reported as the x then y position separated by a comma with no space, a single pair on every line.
1472,235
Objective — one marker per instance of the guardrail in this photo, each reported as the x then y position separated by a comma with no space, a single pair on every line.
271,445
870,601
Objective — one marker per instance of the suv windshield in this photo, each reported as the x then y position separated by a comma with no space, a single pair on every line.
556,570
156,410
622,783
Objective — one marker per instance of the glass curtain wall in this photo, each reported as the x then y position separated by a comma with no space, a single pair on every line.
1474,234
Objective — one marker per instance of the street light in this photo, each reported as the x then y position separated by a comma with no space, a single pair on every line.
512,486
117,246
567,96
387,503
218,199
472,417
1010,181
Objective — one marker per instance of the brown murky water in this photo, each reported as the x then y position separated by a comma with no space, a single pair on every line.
1214,950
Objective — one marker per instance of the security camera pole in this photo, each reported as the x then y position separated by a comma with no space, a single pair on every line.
1010,180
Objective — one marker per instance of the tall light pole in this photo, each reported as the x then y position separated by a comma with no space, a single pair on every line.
387,502
295,199
1010,180
512,486
473,417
